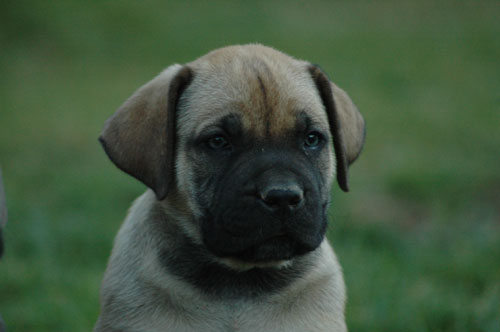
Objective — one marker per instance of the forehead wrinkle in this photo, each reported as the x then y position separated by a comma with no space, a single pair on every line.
268,111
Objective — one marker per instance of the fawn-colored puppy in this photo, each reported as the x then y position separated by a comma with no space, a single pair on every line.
239,149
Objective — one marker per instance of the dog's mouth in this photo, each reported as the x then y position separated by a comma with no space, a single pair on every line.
260,239
283,217
241,265
273,251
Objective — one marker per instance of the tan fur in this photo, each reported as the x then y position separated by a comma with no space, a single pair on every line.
219,89
137,293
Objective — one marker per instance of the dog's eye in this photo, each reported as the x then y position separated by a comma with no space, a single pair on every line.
218,142
312,140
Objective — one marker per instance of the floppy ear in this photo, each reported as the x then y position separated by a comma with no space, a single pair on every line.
346,124
139,137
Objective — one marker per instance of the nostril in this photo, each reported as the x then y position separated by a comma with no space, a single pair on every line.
282,198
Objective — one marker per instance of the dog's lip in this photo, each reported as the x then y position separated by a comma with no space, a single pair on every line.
278,235
242,265
268,241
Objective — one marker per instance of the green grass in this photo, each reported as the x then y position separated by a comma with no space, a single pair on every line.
418,236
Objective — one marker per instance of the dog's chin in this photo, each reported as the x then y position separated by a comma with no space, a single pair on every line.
276,252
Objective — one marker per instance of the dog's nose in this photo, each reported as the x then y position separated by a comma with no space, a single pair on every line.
276,198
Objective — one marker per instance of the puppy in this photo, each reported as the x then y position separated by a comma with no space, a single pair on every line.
239,150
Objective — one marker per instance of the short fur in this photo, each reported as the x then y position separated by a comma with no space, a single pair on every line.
239,148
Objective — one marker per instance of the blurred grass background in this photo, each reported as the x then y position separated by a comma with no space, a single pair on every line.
418,236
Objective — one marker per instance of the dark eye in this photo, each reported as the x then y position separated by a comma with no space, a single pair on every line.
218,142
312,140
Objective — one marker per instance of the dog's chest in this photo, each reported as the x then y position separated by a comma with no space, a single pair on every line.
239,316
212,316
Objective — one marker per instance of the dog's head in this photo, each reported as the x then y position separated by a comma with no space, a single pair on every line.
248,140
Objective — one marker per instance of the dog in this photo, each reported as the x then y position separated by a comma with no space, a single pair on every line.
239,150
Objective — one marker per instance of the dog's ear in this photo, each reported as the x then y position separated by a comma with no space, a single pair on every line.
346,123
139,137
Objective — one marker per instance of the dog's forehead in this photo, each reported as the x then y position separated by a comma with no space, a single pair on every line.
266,88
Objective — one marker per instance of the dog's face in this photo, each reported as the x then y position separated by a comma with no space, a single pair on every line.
247,140
254,156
